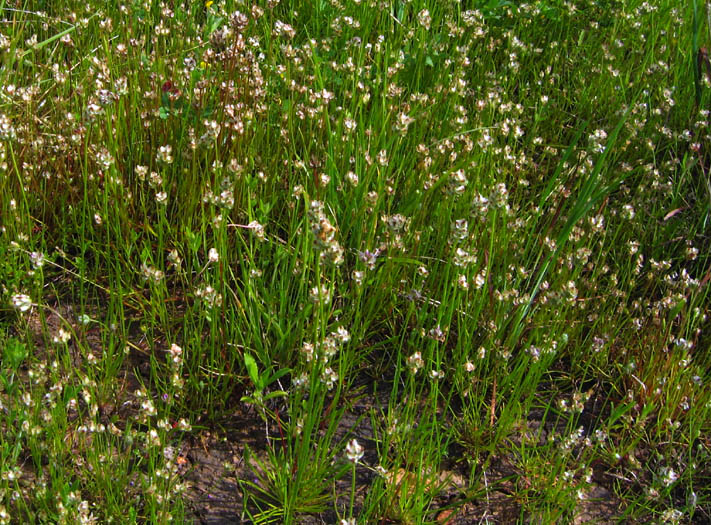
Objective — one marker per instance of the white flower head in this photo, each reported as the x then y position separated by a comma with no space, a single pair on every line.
165,154
354,451
62,337
161,197
22,302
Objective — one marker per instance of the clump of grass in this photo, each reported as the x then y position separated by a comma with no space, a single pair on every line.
495,214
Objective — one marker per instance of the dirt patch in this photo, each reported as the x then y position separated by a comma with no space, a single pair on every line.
217,463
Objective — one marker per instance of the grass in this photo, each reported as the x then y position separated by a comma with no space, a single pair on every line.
488,223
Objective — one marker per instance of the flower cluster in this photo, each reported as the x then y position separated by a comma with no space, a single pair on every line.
324,234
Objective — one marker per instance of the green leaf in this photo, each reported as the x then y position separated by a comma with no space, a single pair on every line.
252,370
405,260
194,240
213,23
14,353
278,375
276,393
618,412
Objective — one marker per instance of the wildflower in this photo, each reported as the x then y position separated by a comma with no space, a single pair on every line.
324,234
395,223
329,377
460,229
238,21
154,179
151,273
22,302
308,350
148,407
436,374
210,296
369,258
177,381
463,258
669,476
424,18
327,349
153,438
457,183
141,172
299,382
62,337
258,229
342,335
92,111
105,159
318,294
535,353
161,197
184,425
480,204
357,277
349,124
403,122
628,211
354,451
176,354
213,256
597,223
462,282
499,195
672,516
480,279
7,131
415,362
212,129
37,259
280,28
174,259
437,334
165,154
